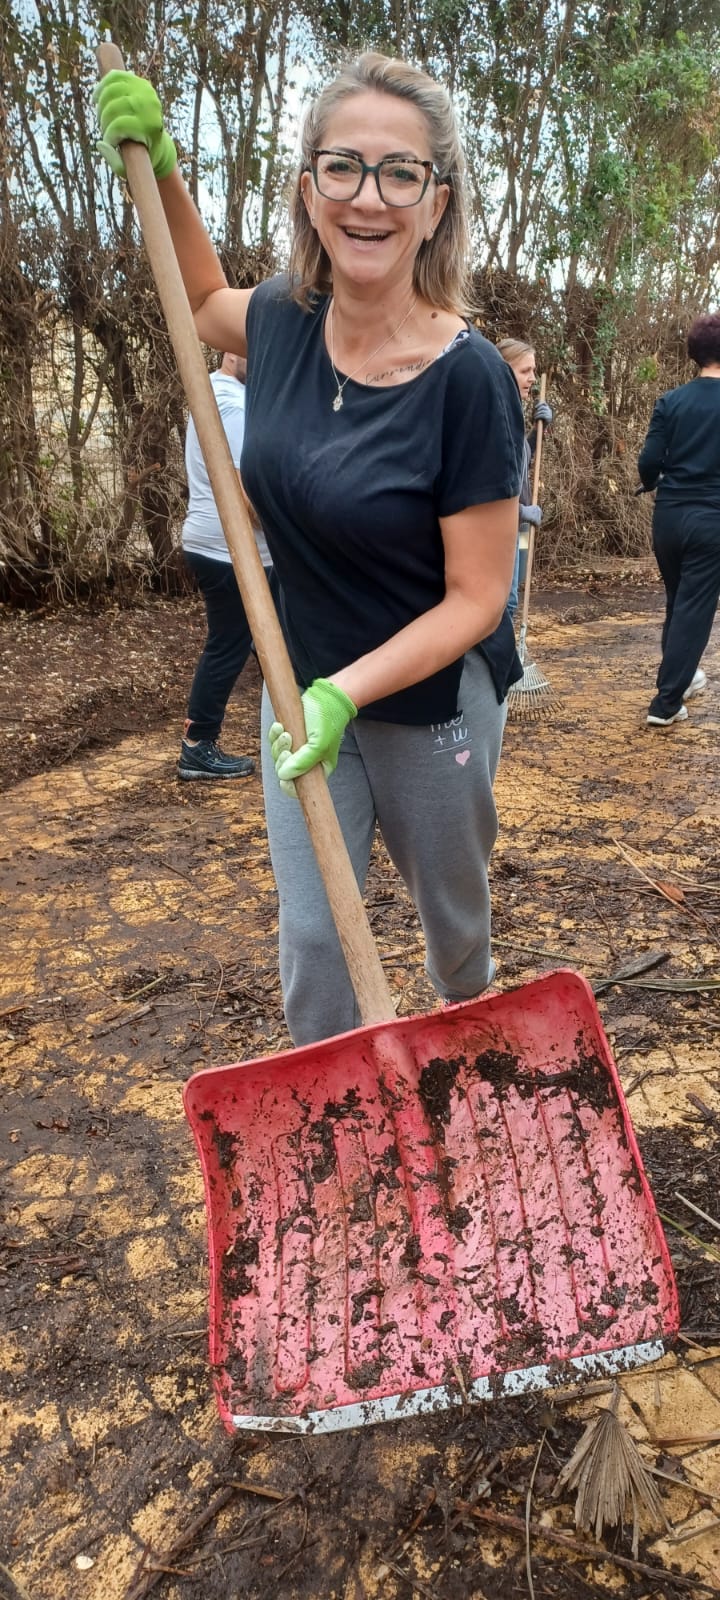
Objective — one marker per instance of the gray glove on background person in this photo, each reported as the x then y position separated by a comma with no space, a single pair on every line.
531,514
543,413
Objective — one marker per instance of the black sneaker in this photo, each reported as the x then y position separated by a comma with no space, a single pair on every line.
206,760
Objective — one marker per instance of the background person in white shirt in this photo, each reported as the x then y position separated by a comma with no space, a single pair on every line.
205,550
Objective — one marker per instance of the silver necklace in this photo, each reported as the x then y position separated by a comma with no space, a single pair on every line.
338,401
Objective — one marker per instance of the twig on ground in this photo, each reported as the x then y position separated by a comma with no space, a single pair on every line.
658,887
146,987
244,1541
460,1381
10,1586
612,947
705,1111
399,1543
158,861
218,991
676,898
150,1568
244,1487
641,1077
295,1553
701,1244
588,1552
696,1533
12,1011
528,1509
688,1439
623,974
123,1018
695,1489
174,1572
693,1343
582,1391
203,1021
410,1579
535,950
710,888
676,985
698,1211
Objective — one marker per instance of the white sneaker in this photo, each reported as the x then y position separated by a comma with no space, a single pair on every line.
665,722
696,685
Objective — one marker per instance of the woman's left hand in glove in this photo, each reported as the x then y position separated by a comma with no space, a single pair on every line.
543,413
128,108
327,711
531,514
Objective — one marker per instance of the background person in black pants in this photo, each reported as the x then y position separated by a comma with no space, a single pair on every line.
206,553
681,457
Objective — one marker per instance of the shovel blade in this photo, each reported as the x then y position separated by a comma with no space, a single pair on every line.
427,1212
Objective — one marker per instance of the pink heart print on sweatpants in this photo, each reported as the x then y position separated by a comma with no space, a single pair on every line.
449,737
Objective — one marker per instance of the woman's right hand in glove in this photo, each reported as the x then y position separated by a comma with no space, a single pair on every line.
128,108
531,514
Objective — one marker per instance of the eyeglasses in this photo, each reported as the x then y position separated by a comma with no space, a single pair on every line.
399,181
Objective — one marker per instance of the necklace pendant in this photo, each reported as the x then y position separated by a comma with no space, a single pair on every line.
337,402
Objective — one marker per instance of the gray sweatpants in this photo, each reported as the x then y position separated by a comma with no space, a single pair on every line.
430,792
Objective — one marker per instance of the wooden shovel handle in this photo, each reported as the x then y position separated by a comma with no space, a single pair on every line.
363,962
535,491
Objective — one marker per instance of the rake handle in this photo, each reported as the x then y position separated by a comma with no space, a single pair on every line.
359,949
531,535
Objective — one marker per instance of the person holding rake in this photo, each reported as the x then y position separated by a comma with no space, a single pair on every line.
383,453
520,358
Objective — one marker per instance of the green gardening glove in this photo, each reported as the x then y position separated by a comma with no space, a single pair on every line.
327,711
128,108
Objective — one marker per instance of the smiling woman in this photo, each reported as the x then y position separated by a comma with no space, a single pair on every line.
422,114
388,492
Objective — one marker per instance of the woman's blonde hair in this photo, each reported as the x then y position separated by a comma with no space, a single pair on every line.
441,270
512,349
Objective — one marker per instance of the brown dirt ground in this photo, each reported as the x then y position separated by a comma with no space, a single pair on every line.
140,946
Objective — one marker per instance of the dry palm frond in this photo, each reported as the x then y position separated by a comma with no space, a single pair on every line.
607,1470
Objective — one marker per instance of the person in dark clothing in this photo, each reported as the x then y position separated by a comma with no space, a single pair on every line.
205,550
681,458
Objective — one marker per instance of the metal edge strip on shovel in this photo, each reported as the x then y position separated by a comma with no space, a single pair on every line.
425,1402
394,1043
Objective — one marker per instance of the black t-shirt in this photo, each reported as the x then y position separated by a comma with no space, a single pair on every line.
350,499
681,454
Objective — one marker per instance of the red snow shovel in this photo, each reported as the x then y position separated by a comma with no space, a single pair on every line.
438,1210
427,1211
